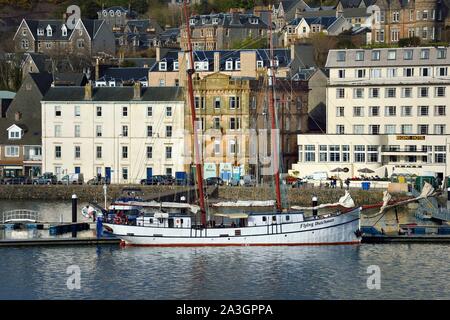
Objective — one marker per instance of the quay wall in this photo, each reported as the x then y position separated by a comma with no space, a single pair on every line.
89,193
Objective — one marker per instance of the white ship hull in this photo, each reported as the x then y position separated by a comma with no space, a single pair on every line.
331,230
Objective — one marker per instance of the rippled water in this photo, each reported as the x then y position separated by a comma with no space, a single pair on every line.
331,272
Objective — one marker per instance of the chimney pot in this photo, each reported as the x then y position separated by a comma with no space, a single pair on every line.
137,91
88,91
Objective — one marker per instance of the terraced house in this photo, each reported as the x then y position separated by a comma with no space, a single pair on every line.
53,37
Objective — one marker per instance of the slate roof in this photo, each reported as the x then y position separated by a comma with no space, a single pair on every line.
228,20
142,62
91,26
69,79
27,102
106,94
131,74
323,21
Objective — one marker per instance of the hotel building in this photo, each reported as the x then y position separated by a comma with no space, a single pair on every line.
387,110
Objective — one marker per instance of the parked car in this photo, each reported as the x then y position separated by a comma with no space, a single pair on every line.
248,181
169,180
98,181
46,178
18,180
298,183
214,181
235,182
153,180
73,178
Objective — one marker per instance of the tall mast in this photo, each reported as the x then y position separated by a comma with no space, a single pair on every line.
190,72
274,140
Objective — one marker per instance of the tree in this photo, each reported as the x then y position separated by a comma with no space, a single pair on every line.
10,73
409,42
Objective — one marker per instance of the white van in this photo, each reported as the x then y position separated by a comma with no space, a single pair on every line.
72,178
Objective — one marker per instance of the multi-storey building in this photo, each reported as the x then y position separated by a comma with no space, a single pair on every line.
285,11
54,37
223,30
123,133
222,110
387,110
396,19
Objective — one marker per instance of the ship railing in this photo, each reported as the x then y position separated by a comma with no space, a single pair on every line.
20,215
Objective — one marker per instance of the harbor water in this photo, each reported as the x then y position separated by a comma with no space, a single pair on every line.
406,271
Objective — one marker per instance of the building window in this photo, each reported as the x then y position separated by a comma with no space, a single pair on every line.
335,155
340,93
374,92
168,111
392,72
58,152
358,93
390,92
392,54
229,65
341,56
98,152
425,72
77,111
439,154
395,34
406,111
163,66
375,55
233,147
390,111
124,111
77,130
372,153
80,43
149,131
439,110
441,53
389,129
406,129
358,111
235,123
124,152
359,153
408,72
149,111
12,151
360,73
359,56
423,92
99,111
323,153
125,173
341,74
439,129
374,111
340,129
425,54
57,111
168,131
407,92
310,153
149,152
98,130
422,111
217,102
395,16
442,71
162,82
168,152
234,102
422,129
124,131
77,152
358,129
439,92
339,111
57,130
408,54
216,123
374,129
375,73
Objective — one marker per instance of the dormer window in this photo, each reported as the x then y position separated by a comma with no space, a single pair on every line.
253,21
163,66
238,65
40,32
260,64
204,21
64,30
105,13
192,22
49,31
111,13
229,65
175,66
118,13
14,132
215,20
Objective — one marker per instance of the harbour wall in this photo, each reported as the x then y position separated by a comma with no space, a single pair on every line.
88,193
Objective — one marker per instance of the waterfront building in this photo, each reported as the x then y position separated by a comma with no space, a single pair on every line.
123,133
387,110
285,11
20,128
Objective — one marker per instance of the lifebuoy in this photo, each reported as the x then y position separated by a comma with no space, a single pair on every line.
118,220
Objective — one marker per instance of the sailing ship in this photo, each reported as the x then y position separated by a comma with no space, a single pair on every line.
176,225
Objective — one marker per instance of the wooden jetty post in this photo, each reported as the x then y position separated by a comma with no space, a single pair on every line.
74,214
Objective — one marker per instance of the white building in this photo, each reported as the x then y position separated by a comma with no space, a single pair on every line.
387,110
124,133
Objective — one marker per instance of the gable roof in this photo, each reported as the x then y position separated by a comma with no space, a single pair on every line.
130,74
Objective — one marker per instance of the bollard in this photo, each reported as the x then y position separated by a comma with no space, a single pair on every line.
314,204
74,214
448,194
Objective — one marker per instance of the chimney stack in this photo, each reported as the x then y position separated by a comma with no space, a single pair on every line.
97,69
88,91
137,91
17,116
216,61
158,53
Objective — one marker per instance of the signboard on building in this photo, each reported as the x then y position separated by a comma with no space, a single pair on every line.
410,137
209,170
225,170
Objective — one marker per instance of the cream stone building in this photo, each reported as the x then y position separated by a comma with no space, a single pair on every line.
125,133
387,110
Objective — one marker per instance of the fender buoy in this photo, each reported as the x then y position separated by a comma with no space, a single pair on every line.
88,212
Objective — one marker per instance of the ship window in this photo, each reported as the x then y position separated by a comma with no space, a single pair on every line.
264,219
160,220
274,218
151,220
288,218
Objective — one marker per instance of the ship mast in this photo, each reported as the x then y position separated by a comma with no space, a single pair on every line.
190,72
274,140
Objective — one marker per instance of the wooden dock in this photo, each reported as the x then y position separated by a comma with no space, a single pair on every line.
60,242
